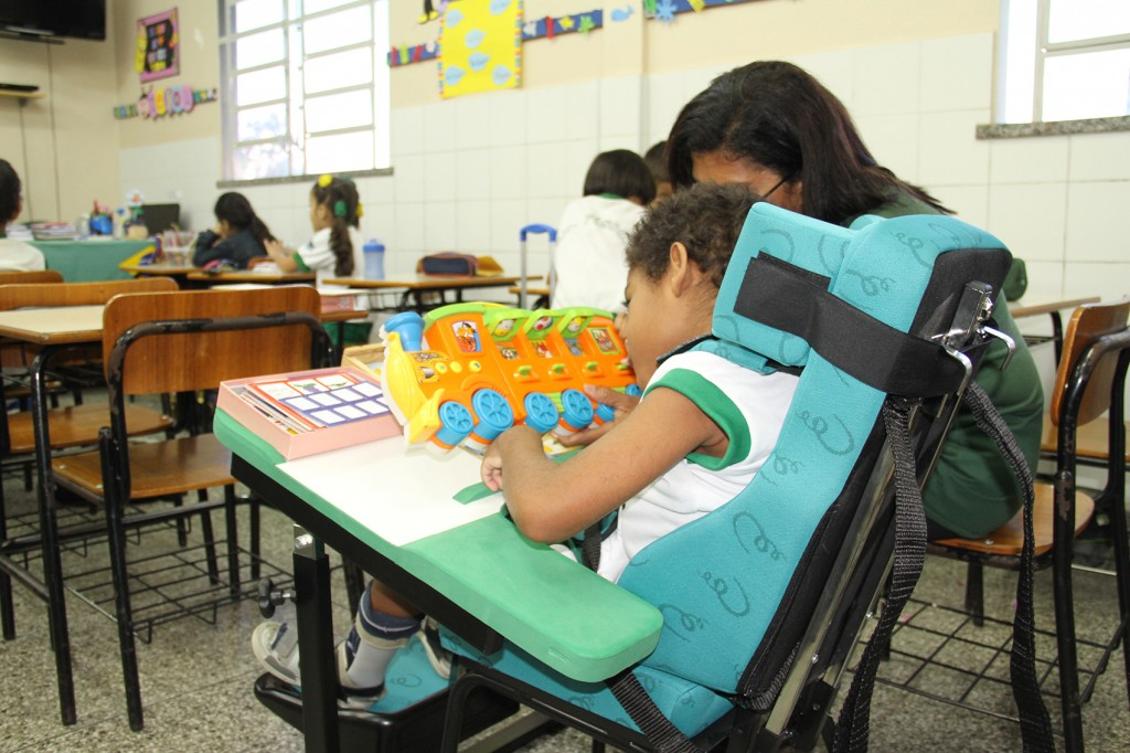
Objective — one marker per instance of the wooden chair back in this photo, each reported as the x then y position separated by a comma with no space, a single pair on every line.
30,278
77,293
200,360
1088,323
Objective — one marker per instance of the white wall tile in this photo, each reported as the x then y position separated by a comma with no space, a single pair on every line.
439,176
664,101
409,230
696,79
1042,160
472,174
957,73
609,141
506,218
508,117
1109,281
407,131
473,233
379,222
545,166
578,156
583,112
473,116
441,126
1029,218
893,141
970,202
507,172
440,226
409,178
546,115
377,190
1045,283
950,155
620,105
1100,156
886,79
835,69
1098,224
546,212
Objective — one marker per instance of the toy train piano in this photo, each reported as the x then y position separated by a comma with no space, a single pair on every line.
463,374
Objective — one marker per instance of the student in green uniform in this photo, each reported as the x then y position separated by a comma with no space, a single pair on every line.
775,128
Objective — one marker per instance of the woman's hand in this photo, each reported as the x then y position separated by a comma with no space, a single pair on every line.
619,402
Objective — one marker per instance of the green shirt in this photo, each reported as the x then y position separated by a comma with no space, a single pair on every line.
971,491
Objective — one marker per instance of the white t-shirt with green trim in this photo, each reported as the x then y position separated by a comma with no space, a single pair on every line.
748,406
317,256
17,256
589,264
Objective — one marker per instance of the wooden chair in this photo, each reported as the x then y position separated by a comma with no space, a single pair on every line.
30,278
178,342
68,427
1090,380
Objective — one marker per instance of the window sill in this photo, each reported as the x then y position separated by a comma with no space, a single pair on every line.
1053,128
304,178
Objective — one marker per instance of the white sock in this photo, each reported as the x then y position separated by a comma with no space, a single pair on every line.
371,659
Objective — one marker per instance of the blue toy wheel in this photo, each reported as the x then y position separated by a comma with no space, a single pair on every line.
578,412
495,414
455,423
605,412
633,390
541,413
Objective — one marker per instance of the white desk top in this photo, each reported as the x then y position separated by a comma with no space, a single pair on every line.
65,324
401,496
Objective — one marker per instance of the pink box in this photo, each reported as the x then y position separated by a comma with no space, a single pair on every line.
307,412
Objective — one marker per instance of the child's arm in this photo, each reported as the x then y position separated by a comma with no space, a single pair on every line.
552,501
284,257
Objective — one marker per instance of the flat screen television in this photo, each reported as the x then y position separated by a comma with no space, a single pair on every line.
81,19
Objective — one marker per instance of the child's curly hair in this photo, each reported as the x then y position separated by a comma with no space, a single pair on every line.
706,218
339,195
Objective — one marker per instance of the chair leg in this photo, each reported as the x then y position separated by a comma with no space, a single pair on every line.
1065,623
115,534
209,539
354,582
598,746
28,483
453,718
1122,577
182,532
975,592
253,525
7,609
233,541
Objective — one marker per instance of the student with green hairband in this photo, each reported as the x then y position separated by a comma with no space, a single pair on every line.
335,250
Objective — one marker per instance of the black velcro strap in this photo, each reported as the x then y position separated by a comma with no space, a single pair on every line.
658,729
788,298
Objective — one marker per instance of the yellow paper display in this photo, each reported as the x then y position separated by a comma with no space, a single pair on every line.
480,47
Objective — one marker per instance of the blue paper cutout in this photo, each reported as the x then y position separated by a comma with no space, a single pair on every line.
474,38
500,75
453,17
478,61
499,6
622,14
453,74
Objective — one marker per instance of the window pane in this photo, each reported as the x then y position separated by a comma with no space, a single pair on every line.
1087,85
252,14
258,49
262,122
339,70
346,110
314,6
260,86
337,30
346,151
1069,20
260,161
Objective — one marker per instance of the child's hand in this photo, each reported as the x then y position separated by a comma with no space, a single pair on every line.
491,469
619,402
274,248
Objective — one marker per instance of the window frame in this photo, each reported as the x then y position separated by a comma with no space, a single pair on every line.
296,135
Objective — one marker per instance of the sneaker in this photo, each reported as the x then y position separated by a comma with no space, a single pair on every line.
438,656
355,694
275,645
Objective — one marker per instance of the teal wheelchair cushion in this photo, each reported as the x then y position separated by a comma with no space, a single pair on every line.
408,679
690,707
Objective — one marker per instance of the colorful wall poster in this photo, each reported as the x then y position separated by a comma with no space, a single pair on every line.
480,47
157,54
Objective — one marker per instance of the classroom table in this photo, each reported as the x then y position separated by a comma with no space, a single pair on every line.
89,260
416,286
248,276
539,296
1051,308
462,562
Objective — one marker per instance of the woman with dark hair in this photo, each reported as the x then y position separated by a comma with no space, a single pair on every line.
589,267
238,236
15,256
774,128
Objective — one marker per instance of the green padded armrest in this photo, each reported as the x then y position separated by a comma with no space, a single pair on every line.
555,609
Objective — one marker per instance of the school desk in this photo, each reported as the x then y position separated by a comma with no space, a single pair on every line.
1051,308
247,276
390,511
89,261
416,286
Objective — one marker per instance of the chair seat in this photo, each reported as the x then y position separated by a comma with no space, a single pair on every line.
1008,539
157,469
79,425
1091,439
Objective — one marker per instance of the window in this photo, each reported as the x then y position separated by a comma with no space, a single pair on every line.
305,87
1064,60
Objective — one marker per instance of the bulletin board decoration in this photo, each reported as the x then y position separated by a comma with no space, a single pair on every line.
416,53
666,10
157,53
158,102
480,45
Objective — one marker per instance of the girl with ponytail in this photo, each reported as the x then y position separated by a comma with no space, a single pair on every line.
335,249
238,236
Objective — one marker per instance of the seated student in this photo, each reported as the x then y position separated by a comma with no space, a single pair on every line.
703,429
656,159
335,250
588,264
15,256
238,236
